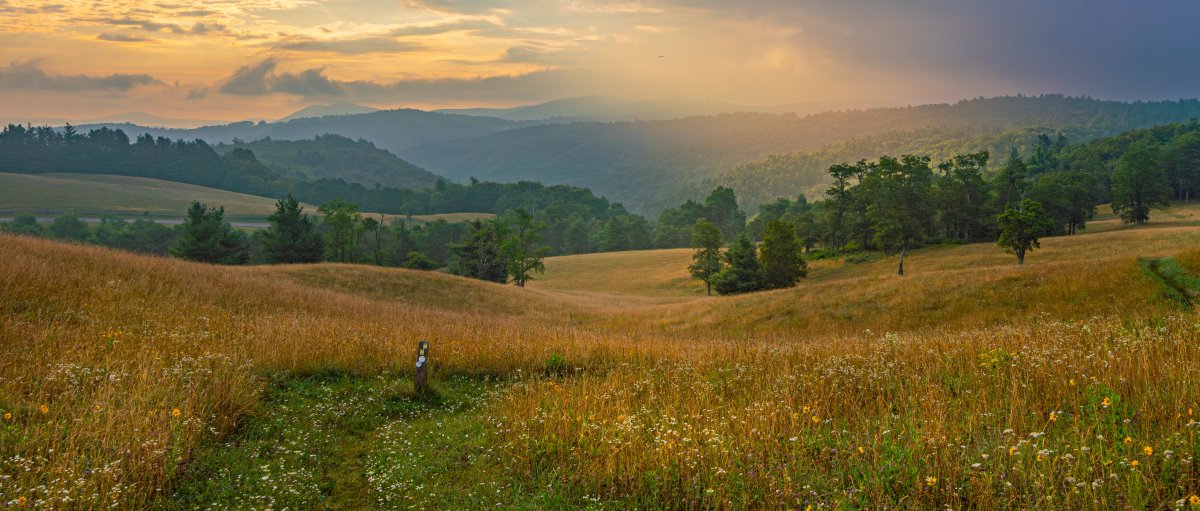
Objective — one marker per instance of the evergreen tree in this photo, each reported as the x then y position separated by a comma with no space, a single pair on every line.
479,256
781,261
205,236
523,251
721,208
742,273
706,260
1020,228
1138,184
292,236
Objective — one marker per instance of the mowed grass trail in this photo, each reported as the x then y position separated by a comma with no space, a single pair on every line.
1070,383
126,196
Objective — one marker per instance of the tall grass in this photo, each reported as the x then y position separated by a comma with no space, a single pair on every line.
857,389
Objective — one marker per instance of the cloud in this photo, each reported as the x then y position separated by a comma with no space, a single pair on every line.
147,25
122,38
263,78
29,75
356,46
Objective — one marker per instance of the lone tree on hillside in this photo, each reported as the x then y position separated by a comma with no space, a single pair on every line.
706,260
292,236
1138,184
205,236
523,251
781,261
742,273
1021,227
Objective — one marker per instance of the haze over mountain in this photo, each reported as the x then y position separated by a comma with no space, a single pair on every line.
601,108
339,108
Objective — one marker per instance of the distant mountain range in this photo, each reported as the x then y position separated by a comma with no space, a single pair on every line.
608,109
340,108
652,164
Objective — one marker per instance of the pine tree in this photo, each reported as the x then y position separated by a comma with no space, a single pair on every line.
706,260
205,236
781,261
292,236
742,273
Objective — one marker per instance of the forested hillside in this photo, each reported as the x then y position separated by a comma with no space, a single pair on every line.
647,165
336,157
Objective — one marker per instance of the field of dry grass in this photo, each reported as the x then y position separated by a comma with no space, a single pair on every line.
969,383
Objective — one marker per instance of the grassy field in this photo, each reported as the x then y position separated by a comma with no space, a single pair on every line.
611,383
102,194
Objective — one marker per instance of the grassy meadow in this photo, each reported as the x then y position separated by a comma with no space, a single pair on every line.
612,383
126,196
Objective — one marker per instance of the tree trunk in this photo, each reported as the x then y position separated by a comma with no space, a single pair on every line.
1020,257
902,251
708,286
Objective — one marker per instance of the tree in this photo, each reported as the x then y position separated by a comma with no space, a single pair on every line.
340,241
418,261
479,256
523,251
706,260
292,236
1020,228
900,210
205,236
781,261
1011,181
1138,184
961,196
721,208
68,227
742,273
23,223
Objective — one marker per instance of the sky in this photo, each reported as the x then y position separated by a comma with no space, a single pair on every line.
256,59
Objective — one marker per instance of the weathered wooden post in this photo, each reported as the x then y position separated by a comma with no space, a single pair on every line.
421,377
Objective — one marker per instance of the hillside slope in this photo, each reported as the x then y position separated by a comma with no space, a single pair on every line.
337,157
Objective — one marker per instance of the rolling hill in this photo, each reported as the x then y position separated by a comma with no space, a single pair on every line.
337,157
552,396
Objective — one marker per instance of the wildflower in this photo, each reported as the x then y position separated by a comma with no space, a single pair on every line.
175,412
1072,382
816,419
930,481
1148,451
1133,463
7,416
1041,457
861,450
44,409
96,408
1012,450
1107,402
1194,500
805,409
21,501
1053,417
1128,440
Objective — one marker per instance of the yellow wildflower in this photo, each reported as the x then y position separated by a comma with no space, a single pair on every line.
861,450
1041,457
1148,451
96,408
1053,417
7,416
1128,440
1072,382
1107,402
805,409
175,412
1133,463
930,481
21,501
1012,450
1194,500
816,419
44,409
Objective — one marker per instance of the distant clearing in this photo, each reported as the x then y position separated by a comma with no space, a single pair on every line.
103,194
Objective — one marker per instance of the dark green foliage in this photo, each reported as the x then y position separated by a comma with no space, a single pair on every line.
418,261
742,272
292,236
23,223
720,209
206,237
706,260
782,263
522,250
1138,184
961,198
341,238
1021,227
68,227
479,255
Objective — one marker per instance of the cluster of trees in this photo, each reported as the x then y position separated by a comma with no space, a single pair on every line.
743,267
141,235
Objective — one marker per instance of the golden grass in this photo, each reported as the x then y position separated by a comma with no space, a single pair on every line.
681,401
